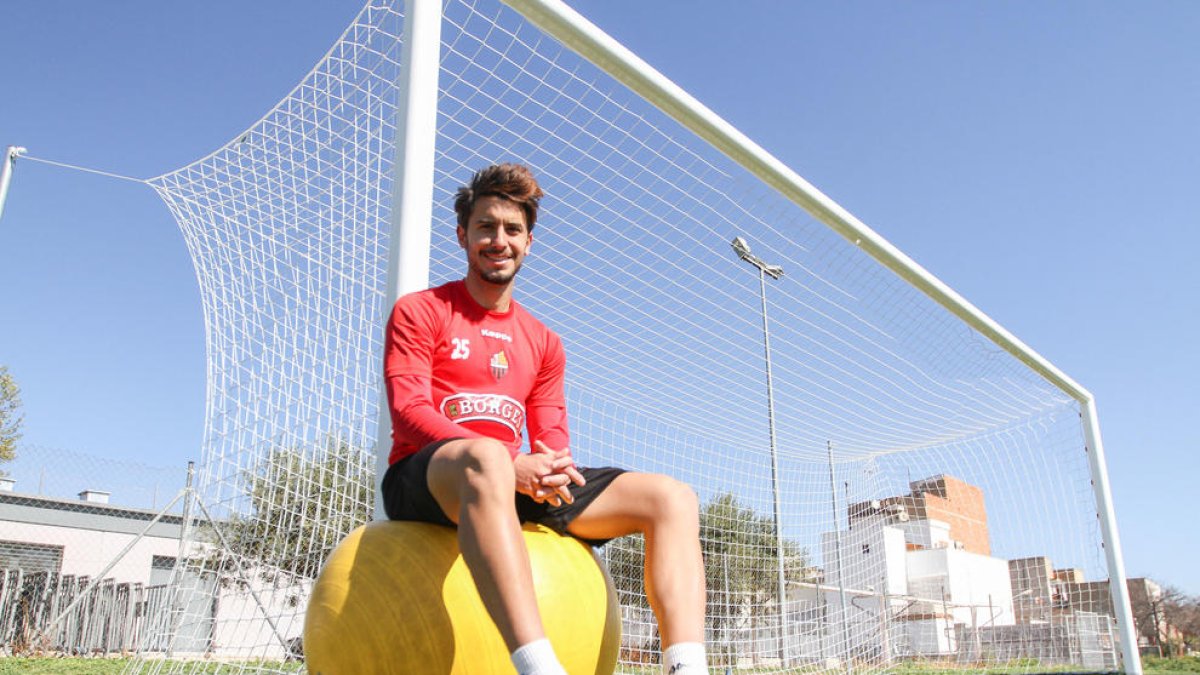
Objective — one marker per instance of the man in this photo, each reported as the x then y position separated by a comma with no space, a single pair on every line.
466,368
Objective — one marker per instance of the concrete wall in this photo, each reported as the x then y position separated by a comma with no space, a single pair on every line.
872,555
90,535
977,587
240,629
927,533
87,552
962,588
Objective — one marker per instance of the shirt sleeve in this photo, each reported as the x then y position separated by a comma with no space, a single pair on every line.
546,414
414,418
409,345
411,338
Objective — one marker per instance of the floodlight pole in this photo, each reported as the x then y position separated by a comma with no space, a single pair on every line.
837,548
762,283
743,252
7,162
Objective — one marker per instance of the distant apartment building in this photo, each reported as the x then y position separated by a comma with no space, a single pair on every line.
914,576
940,498
1034,591
922,562
1042,593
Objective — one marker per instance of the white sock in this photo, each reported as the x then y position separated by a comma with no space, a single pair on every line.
685,658
537,658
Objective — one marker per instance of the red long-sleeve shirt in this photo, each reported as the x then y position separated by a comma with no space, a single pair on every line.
456,369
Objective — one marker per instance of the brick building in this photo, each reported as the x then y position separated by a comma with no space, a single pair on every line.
1041,593
943,498
1145,602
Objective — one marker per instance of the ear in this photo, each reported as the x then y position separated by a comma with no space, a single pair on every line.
462,236
529,244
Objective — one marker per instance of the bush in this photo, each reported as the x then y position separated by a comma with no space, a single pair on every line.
1178,664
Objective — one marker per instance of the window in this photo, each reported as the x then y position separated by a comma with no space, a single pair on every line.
160,569
30,557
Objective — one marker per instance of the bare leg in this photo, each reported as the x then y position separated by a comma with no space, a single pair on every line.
666,512
473,481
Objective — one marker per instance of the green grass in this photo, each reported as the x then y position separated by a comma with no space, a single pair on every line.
12,665
46,665
1182,665
1011,668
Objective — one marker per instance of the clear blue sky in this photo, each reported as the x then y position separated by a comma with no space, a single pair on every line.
1044,160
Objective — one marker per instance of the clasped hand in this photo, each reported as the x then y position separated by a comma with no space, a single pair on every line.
546,475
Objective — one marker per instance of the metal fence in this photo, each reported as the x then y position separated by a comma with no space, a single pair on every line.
812,638
51,472
1077,639
47,533
112,618
65,517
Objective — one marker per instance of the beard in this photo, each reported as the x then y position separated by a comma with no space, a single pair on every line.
497,277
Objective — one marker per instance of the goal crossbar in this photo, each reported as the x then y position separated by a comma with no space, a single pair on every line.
569,27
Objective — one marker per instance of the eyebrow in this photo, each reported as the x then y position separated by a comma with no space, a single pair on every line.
488,220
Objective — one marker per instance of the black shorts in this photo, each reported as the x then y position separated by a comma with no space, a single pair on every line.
406,495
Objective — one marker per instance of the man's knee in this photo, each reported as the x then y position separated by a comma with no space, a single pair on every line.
470,470
485,464
677,502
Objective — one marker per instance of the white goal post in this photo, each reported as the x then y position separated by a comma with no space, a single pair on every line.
885,474
559,20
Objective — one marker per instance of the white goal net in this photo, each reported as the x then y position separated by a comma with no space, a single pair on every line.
933,492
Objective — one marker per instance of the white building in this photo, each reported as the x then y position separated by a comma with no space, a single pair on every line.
898,587
72,541
80,537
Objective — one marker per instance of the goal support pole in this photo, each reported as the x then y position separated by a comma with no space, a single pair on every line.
410,239
585,38
1130,656
7,162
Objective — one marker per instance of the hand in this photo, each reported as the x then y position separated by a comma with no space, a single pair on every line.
540,476
569,470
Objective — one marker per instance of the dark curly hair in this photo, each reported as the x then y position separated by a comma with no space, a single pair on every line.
514,182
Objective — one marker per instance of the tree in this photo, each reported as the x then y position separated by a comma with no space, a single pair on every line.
302,504
10,417
1181,612
740,562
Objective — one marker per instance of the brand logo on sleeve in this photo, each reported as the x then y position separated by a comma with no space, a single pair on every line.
496,408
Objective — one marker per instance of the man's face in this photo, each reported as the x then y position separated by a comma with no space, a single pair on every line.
496,240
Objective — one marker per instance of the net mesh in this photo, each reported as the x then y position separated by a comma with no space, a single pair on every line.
929,485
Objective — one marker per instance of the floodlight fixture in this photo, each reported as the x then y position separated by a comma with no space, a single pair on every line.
742,249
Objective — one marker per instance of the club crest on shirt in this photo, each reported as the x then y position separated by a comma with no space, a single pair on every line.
485,407
499,364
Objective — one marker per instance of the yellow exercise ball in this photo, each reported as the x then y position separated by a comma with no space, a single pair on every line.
396,597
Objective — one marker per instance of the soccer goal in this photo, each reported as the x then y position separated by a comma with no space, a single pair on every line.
887,477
